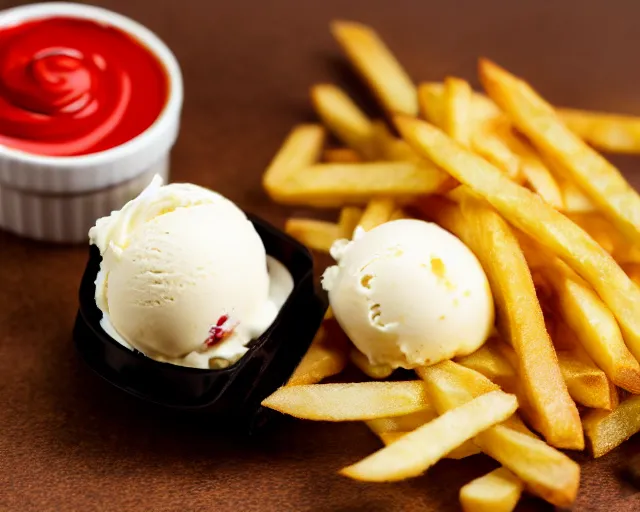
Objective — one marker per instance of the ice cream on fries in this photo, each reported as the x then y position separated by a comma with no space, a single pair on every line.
555,228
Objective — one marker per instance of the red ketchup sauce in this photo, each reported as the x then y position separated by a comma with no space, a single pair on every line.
71,86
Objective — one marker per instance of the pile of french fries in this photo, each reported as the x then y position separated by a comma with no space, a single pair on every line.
557,230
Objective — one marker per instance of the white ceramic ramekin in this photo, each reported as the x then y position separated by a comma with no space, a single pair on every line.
59,198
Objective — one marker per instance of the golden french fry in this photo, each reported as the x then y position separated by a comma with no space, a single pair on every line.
537,219
522,321
606,430
457,110
331,185
375,371
418,450
391,437
349,218
498,491
600,229
589,318
616,133
399,213
466,449
534,170
349,402
574,199
300,149
490,362
461,384
536,118
547,472
633,271
540,179
403,424
608,237
492,137
326,356
344,119
315,234
487,123
392,429
377,65
377,212
488,143
431,101
587,384
341,156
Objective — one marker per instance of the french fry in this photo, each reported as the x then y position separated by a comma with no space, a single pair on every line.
375,371
315,234
608,237
377,212
491,145
537,219
377,65
457,110
486,121
344,119
595,176
498,491
349,402
547,472
587,384
431,101
300,149
574,199
418,450
539,178
522,321
534,170
600,229
341,156
390,430
327,356
490,362
615,133
466,449
633,271
589,318
607,430
403,424
330,185
349,218
493,138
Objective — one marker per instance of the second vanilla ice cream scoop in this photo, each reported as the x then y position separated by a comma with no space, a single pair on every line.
408,294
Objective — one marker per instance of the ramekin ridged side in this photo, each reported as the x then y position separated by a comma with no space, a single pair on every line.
68,218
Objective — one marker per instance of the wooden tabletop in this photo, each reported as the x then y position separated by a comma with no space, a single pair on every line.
70,442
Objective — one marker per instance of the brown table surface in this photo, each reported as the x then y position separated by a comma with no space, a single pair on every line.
68,441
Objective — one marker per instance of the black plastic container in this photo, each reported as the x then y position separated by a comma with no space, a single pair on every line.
233,393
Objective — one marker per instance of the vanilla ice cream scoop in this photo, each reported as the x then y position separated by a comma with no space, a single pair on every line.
408,293
185,277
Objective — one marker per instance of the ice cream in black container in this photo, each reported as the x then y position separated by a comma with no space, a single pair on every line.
238,371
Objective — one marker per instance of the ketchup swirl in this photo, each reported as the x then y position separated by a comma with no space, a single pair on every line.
71,86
